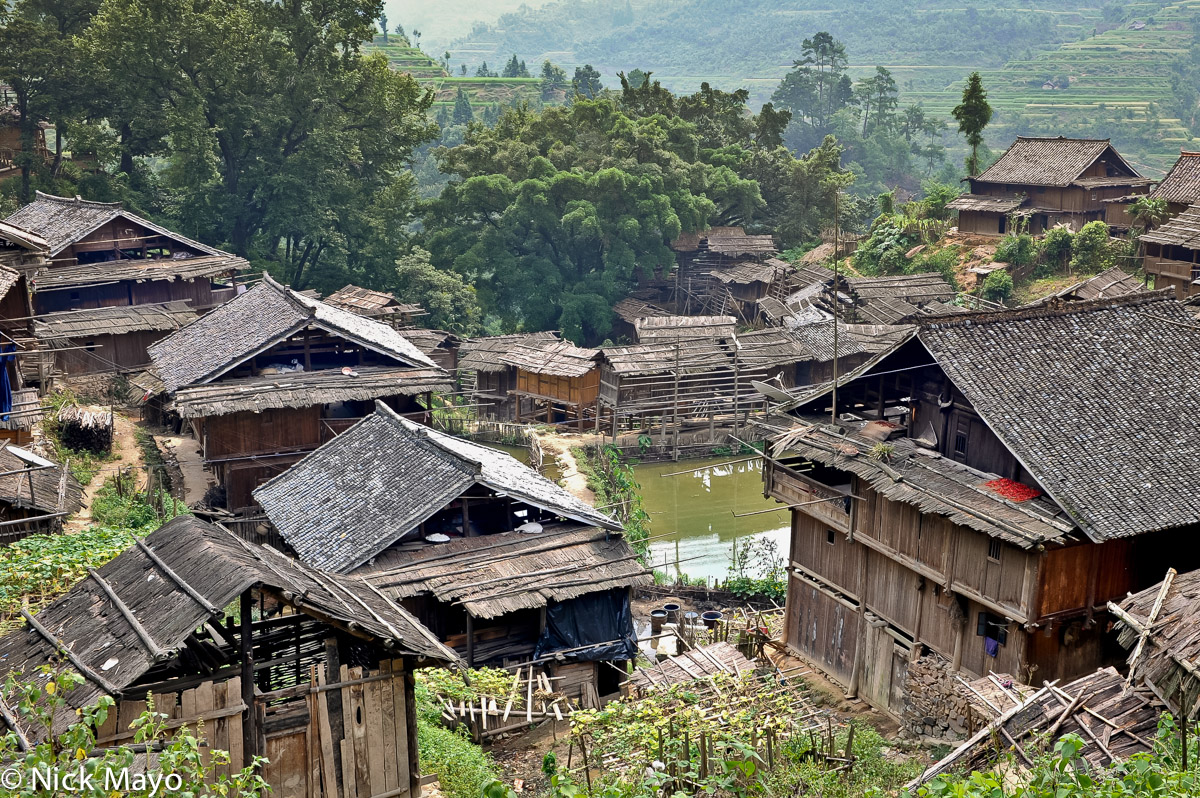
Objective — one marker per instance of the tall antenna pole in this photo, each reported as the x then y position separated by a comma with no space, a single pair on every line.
836,302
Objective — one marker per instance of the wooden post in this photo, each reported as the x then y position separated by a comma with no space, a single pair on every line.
246,644
675,403
470,641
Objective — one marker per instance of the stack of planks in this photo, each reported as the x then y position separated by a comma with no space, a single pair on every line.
85,429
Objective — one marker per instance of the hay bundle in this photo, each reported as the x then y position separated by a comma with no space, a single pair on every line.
87,429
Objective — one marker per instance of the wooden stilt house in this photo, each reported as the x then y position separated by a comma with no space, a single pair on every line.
489,380
1048,181
314,672
981,491
500,562
560,379
108,267
1172,253
272,374
378,305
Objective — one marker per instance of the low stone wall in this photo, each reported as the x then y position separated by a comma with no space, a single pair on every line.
936,704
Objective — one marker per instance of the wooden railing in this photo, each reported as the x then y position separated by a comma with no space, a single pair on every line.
820,501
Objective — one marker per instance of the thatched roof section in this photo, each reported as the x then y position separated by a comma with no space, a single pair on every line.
62,221
356,495
913,288
553,357
729,241
853,339
369,303
698,663
1160,626
254,321
630,310
774,346
493,575
305,389
753,271
1181,231
681,328
167,269
117,320
1114,726
984,203
917,475
26,410
1065,388
179,577
1054,162
41,489
1182,183
484,354
663,357
1108,283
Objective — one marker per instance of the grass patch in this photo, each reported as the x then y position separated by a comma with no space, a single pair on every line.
462,766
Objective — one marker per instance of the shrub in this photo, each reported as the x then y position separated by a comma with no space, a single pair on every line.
1018,249
937,196
941,261
998,286
1090,250
1054,251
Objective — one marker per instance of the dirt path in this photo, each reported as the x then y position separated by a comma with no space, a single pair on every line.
126,454
559,447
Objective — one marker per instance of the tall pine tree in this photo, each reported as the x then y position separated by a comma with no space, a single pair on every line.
973,115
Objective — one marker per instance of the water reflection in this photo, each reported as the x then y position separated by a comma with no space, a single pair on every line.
694,509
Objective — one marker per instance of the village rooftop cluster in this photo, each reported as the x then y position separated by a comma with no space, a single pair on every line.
973,490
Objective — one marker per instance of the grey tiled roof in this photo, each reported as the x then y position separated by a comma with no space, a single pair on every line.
248,323
1050,161
1182,183
1100,401
356,495
62,221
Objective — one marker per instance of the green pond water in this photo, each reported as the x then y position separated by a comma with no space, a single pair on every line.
695,511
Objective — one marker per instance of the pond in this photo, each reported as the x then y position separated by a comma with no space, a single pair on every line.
695,511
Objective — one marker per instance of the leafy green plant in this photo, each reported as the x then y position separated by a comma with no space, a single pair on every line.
756,570
617,490
462,767
998,286
1090,250
1055,250
1018,249
181,767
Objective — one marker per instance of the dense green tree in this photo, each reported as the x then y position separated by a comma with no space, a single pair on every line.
484,72
554,81
770,126
973,115
463,115
552,215
383,26
284,139
514,69
877,97
450,304
586,82
818,86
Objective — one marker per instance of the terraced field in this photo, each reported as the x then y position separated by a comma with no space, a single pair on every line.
429,72
1119,86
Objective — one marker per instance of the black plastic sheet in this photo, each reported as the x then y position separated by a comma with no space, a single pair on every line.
599,625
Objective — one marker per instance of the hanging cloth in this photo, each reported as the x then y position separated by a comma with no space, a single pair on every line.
6,356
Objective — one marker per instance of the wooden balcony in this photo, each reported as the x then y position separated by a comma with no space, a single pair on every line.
829,505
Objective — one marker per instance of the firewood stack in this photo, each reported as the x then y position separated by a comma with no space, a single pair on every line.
85,428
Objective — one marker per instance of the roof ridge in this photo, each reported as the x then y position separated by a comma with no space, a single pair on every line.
291,296
77,200
1061,138
1056,306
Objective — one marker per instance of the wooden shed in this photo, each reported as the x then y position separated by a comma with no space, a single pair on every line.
953,505
561,379
491,382
378,305
36,494
314,672
272,374
484,550
109,339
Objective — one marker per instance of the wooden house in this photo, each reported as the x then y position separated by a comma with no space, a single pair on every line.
36,495
698,255
440,346
560,379
378,305
113,282
324,689
1181,187
739,287
983,491
272,374
1048,181
1171,253
628,311
489,381
496,559
11,145
895,299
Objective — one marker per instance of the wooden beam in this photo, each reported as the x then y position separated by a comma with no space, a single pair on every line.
157,652
208,606
246,646
59,645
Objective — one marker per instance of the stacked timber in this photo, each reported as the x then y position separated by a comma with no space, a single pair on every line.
85,429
